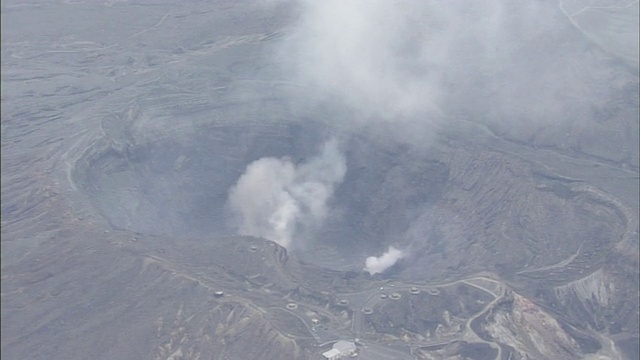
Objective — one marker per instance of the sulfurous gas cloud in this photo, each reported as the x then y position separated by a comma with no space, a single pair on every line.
376,265
415,66
277,199
366,54
526,70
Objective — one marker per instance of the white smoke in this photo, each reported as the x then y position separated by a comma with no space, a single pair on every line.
274,198
521,69
415,66
376,265
364,53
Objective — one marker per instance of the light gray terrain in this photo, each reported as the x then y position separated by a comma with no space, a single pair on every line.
126,123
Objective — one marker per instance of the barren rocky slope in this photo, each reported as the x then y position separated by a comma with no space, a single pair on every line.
119,148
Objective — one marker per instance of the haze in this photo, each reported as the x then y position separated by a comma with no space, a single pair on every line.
287,179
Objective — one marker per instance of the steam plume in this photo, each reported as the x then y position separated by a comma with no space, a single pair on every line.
521,70
519,66
364,53
274,198
376,265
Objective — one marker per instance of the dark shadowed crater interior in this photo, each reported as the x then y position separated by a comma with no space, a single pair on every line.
168,173
165,167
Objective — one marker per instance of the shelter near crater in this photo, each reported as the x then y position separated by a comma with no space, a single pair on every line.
340,349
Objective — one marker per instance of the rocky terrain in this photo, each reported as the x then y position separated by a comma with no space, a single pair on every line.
119,149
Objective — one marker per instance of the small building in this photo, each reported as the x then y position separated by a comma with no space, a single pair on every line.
331,354
341,349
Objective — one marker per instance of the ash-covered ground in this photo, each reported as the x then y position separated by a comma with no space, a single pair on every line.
259,179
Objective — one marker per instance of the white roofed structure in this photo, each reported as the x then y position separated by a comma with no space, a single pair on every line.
331,354
340,349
